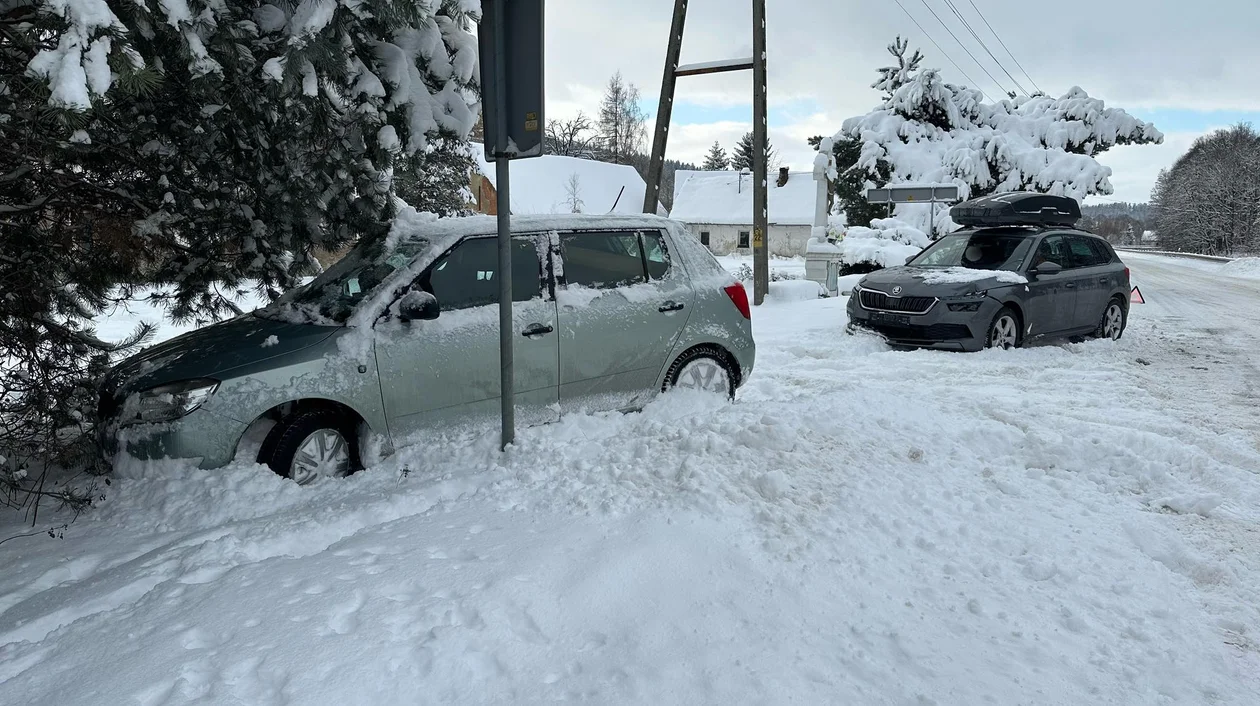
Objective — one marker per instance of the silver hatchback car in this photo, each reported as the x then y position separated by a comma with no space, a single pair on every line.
400,339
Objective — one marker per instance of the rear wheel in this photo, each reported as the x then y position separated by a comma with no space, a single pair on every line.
702,369
1113,321
1004,330
312,445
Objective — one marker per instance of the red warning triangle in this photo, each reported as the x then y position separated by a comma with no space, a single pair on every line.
1135,297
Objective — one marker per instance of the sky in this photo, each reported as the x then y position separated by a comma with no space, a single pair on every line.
1188,67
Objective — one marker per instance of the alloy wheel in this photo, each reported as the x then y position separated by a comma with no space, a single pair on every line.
1113,322
1005,332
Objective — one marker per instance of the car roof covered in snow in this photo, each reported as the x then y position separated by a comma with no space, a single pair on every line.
410,225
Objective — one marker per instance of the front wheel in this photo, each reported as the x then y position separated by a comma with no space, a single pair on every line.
702,369
316,444
1113,321
1004,330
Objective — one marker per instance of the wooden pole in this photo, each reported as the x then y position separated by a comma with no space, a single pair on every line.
761,215
665,108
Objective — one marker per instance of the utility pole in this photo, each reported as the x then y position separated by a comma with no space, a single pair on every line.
664,111
761,215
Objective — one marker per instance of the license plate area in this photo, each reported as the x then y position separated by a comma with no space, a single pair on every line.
880,317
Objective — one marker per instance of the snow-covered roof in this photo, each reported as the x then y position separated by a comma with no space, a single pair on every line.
727,198
541,185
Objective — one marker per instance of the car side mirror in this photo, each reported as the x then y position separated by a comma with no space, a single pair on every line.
418,305
1047,268
911,258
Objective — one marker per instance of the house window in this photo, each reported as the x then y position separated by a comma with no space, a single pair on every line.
743,239
704,238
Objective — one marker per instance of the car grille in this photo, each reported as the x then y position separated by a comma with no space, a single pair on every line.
883,302
935,332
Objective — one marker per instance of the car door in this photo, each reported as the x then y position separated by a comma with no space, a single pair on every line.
1051,302
444,373
623,302
1093,281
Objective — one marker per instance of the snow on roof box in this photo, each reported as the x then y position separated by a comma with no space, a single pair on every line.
1017,209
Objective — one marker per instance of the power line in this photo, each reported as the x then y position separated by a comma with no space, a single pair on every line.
943,53
964,48
1008,51
983,45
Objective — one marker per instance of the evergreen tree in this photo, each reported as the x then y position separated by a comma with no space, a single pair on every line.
622,123
437,179
716,160
742,155
200,151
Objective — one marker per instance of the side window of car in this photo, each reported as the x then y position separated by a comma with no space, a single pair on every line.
1102,253
656,253
1053,249
602,260
1083,253
467,276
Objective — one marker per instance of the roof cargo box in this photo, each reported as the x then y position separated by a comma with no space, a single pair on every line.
1017,209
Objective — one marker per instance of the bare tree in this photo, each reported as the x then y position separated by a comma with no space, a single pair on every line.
575,137
622,122
573,193
1209,200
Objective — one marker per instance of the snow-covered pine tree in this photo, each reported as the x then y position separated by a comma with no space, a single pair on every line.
716,160
927,130
437,179
205,146
742,155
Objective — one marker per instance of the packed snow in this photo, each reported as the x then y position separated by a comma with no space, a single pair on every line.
889,242
1067,524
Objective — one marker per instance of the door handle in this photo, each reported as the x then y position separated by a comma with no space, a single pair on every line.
670,306
1104,280
1069,285
537,330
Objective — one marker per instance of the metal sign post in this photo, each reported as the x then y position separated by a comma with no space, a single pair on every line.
511,51
915,193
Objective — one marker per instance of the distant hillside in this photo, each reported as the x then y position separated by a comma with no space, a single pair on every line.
1122,223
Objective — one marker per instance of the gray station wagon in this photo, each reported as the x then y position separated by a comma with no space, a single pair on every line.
400,339
1018,271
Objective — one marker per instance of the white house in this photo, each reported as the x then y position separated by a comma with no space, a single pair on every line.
552,184
718,207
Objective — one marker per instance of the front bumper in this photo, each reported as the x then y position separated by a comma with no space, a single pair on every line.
209,439
937,328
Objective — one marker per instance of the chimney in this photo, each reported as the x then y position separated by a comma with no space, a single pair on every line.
783,176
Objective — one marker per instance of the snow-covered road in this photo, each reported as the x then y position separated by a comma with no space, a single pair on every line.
1064,524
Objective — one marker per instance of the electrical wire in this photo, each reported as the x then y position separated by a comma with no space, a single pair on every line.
983,45
964,48
1008,51
943,52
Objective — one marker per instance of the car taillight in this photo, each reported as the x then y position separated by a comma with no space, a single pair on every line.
1126,274
739,298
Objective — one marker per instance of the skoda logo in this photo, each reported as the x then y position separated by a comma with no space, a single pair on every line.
896,291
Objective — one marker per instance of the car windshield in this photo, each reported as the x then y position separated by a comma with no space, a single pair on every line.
977,251
333,295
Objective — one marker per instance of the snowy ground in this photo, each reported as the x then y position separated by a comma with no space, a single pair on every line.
1066,524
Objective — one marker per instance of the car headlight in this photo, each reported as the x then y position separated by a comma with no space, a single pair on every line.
970,301
167,402
964,306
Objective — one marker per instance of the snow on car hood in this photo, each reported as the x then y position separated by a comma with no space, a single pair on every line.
211,351
938,281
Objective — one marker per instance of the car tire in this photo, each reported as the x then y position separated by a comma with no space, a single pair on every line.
1114,320
313,444
1005,331
704,369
